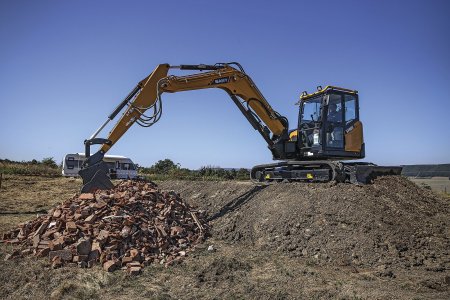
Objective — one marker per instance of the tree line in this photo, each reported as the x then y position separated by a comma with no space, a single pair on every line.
162,169
168,169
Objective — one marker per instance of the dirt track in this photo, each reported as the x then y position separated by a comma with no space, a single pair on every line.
387,240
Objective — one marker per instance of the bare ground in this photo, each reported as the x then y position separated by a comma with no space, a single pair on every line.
389,240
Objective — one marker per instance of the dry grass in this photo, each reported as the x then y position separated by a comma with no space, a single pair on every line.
439,185
33,193
233,271
230,272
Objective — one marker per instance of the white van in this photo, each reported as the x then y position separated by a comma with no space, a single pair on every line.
120,167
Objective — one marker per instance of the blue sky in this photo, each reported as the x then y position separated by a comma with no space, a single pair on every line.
64,66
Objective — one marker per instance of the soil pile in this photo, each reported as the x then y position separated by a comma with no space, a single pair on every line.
390,223
127,227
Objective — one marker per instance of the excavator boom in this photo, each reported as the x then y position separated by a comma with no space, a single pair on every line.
147,96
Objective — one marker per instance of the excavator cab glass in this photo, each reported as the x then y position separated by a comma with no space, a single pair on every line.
329,125
309,123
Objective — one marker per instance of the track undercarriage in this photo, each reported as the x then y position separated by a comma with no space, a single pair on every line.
320,171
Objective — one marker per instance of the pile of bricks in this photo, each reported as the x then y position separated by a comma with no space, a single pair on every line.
126,228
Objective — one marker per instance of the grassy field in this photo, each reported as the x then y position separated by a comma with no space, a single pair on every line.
437,184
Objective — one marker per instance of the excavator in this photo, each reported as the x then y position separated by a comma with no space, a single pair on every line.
329,133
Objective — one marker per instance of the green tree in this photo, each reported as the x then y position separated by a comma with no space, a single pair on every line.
50,162
243,174
164,166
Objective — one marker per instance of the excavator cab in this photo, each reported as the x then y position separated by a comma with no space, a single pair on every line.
329,126
329,133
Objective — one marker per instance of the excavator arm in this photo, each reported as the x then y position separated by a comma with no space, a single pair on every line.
146,96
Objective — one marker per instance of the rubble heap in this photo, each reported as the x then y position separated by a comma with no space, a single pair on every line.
127,227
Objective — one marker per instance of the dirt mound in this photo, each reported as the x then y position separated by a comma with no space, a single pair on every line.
130,226
225,269
390,223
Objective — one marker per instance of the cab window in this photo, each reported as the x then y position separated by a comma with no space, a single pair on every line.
311,110
334,108
350,108
335,115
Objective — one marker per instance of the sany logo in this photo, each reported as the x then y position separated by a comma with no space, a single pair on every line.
221,80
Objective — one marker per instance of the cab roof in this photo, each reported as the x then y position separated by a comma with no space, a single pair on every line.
328,88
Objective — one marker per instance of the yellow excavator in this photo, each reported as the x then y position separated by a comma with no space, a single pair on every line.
329,129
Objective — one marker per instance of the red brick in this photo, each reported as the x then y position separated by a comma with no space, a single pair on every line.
57,262
86,196
36,240
126,260
109,266
56,213
134,264
65,255
100,204
134,270
125,231
41,229
56,244
176,230
43,252
102,237
90,219
71,227
134,253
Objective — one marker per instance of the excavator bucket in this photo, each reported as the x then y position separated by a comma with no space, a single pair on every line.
95,177
365,174
95,171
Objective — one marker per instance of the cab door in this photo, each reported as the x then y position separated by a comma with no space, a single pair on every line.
353,130
335,123
343,130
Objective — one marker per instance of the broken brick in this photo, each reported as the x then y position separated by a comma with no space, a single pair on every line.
86,196
56,244
126,260
102,236
71,227
36,240
41,229
134,219
134,270
84,247
176,230
56,213
63,254
43,252
109,266
90,219
57,262
134,253
125,231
